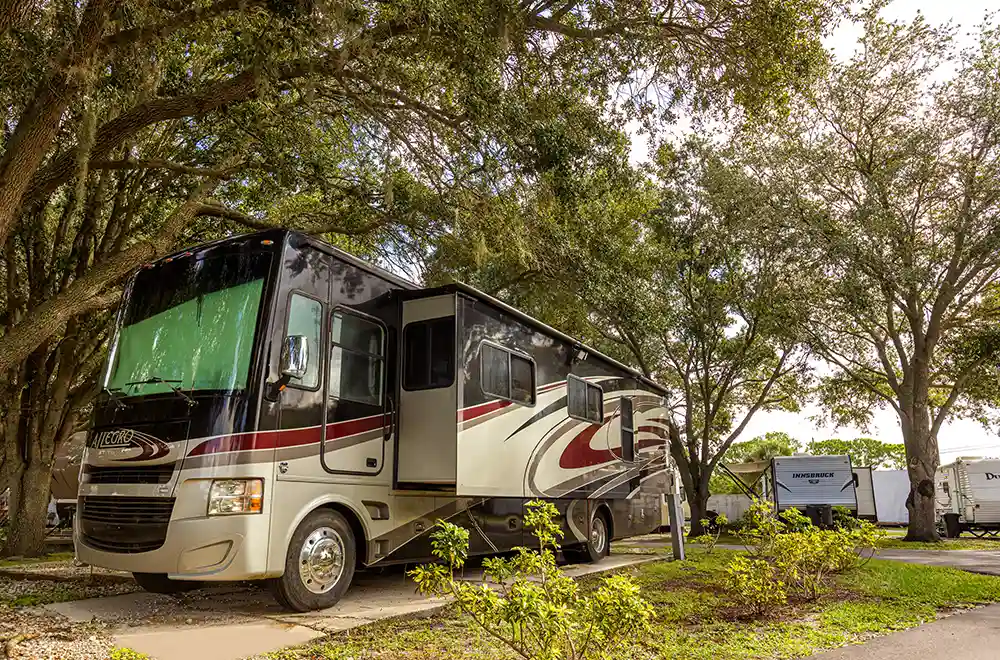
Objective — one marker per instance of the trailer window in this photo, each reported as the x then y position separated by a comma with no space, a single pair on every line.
305,317
356,361
584,401
507,375
429,354
628,430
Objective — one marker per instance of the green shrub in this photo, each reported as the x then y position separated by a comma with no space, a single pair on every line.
123,653
709,540
843,518
528,604
755,584
801,557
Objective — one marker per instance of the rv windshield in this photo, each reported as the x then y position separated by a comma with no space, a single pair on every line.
190,325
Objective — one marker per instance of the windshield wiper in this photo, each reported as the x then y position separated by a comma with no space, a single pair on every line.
115,396
168,383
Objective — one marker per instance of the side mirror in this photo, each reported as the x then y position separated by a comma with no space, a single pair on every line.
295,356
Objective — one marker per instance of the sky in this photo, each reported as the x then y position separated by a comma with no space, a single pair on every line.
958,438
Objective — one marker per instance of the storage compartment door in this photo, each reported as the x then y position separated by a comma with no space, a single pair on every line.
428,394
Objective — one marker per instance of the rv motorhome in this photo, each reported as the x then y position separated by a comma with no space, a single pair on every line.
812,484
274,408
968,496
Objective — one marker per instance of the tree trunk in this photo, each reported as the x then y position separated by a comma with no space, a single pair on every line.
698,502
14,13
29,502
922,459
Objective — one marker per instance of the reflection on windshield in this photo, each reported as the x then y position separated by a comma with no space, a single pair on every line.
191,323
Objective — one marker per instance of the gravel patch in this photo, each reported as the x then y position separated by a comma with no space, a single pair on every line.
33,633
14,592
68,570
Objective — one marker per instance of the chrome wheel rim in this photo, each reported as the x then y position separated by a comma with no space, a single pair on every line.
598,535
321,560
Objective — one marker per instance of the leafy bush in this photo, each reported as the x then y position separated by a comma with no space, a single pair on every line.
843,519
755,584
800,556
709,540
528,604
124,653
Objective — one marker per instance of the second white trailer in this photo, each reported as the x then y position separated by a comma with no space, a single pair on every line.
968,496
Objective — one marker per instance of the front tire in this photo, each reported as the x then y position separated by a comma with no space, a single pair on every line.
320,563
159,583
598,543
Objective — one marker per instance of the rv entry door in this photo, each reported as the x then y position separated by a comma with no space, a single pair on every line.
427,433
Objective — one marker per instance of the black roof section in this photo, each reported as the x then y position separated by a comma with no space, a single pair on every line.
279,235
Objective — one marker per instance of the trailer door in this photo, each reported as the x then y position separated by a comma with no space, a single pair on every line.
427,432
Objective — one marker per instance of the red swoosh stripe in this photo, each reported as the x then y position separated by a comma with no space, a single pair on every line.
579,453
286,438
473,412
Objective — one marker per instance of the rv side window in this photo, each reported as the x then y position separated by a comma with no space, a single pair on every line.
429,354
305,317
628,431
506,375
356,361
585,401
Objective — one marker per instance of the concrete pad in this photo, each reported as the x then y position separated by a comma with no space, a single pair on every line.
109,608
226,622
230,642
971,635
614,562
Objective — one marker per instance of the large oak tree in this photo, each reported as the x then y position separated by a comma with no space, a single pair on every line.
893,171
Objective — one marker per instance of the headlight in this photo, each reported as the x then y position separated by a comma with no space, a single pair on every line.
233,496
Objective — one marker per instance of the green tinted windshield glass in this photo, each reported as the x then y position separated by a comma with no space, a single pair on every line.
202,343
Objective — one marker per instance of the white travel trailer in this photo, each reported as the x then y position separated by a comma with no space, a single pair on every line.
968,496
813,485
276,409
864,488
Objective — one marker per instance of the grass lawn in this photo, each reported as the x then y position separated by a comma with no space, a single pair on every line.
897,543
696,621
894,540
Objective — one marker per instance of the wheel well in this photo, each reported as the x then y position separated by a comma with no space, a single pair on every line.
360,540
603,510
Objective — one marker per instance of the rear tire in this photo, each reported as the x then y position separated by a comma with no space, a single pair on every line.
159,583
952,526
319,565
598,543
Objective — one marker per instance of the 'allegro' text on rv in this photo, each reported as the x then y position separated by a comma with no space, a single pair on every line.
811,475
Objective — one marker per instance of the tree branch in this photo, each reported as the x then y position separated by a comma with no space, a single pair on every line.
160,164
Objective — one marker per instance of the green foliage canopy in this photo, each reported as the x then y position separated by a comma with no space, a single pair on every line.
864,452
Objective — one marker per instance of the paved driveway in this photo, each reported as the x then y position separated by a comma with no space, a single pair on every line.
971,635
974,561
228,622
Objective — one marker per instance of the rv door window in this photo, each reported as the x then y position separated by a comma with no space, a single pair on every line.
305,318
522,380
356,361
584,401
628,430
429,354
506,375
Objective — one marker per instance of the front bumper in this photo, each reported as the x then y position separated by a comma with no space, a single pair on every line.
197,547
